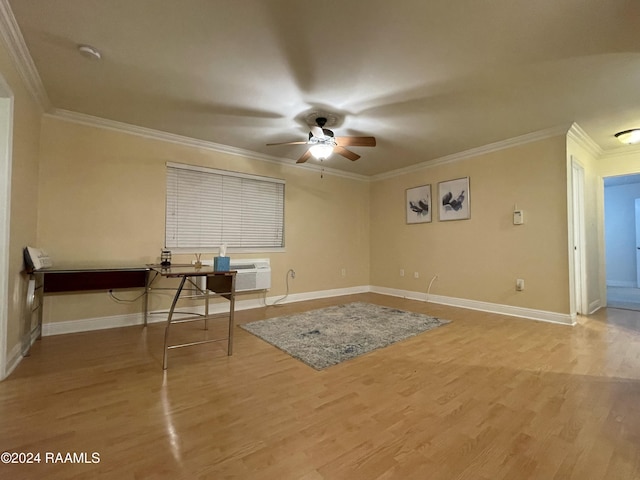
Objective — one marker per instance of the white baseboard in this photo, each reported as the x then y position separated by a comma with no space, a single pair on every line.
529,313
90,324
301,297
595,306
13,359
15,355
622,283
115,321
101,323
394,292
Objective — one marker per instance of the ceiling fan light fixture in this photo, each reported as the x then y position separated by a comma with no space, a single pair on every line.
321,151
629,137
323,143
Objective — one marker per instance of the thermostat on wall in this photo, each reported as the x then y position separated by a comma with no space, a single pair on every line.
518,217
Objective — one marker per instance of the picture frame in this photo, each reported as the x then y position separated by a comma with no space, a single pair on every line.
418,204
454,200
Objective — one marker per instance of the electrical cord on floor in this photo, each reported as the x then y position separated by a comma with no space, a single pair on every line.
290,273
125,300
435,277
154,291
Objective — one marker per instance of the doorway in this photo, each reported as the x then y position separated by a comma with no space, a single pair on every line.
6,129
622,240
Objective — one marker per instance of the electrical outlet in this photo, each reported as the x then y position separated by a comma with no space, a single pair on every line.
292,272
402,272
416,275
519,284
344,272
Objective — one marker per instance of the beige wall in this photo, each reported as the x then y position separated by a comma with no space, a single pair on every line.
626,162
480,259
24,193
102,197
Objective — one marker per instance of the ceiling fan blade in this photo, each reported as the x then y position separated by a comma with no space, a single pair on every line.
305,156
317,132
286,143
346,153
356,141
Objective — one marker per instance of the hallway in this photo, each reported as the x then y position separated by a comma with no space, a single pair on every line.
623,297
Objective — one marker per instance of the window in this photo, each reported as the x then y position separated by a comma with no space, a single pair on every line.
207,208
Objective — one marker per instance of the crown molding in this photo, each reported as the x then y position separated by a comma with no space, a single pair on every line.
474,152
21,57
577,134
621,152
99,122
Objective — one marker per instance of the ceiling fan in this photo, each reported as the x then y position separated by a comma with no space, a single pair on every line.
323,143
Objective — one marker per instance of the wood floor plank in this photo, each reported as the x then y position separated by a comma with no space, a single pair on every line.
484,397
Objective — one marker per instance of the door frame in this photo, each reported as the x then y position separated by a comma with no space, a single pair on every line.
636,207
577,243
6,153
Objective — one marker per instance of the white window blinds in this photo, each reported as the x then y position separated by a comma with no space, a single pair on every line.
207,208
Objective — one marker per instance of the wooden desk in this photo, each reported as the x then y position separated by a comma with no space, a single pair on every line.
79,278
219,283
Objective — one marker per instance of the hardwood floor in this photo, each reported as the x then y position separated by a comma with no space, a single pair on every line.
486,397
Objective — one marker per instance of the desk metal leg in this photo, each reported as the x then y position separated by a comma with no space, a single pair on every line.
166,331
40,301
34,300
232,307
28,317
147,287
206,309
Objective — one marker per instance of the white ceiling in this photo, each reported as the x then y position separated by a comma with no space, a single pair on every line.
426,78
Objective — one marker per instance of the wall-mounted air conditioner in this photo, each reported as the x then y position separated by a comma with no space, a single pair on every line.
253,274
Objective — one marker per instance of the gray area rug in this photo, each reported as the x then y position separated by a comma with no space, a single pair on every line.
325,337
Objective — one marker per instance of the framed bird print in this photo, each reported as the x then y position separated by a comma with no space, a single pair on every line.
418,204
453,199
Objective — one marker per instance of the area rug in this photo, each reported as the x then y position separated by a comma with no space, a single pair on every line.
326,337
